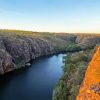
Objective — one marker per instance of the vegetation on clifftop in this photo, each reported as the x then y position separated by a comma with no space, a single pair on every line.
74,68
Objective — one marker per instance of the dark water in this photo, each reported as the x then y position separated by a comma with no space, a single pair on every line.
33,83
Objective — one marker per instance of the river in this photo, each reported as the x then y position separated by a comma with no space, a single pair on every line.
33,83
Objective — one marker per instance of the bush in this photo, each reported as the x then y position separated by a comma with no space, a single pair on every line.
79,57
60,92
73,47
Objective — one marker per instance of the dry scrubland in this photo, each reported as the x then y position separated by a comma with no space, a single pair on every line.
17,48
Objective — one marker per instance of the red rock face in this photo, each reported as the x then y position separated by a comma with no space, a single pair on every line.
90,88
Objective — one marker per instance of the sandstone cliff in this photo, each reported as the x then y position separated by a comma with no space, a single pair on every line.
90,88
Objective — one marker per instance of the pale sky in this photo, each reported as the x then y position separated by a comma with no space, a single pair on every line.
51,15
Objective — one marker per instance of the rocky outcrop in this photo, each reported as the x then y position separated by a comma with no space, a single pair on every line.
16,52
6,63
90,88
87,41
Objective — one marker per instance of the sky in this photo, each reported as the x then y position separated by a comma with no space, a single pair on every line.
51,15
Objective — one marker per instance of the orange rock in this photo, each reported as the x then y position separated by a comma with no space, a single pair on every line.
90,88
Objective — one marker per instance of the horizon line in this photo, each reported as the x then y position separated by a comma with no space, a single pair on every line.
49,31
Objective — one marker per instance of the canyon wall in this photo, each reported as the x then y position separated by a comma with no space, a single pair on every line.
90,88
18,48
16,52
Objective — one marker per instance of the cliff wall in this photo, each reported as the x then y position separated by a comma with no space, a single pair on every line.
18,48
90,88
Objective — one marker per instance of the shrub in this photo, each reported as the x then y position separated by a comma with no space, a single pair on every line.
60,92
74,69
73,47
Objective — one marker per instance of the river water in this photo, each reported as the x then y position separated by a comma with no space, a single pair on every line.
33,83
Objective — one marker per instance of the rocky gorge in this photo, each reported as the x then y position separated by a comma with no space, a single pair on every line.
75,66
20,51
17,48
